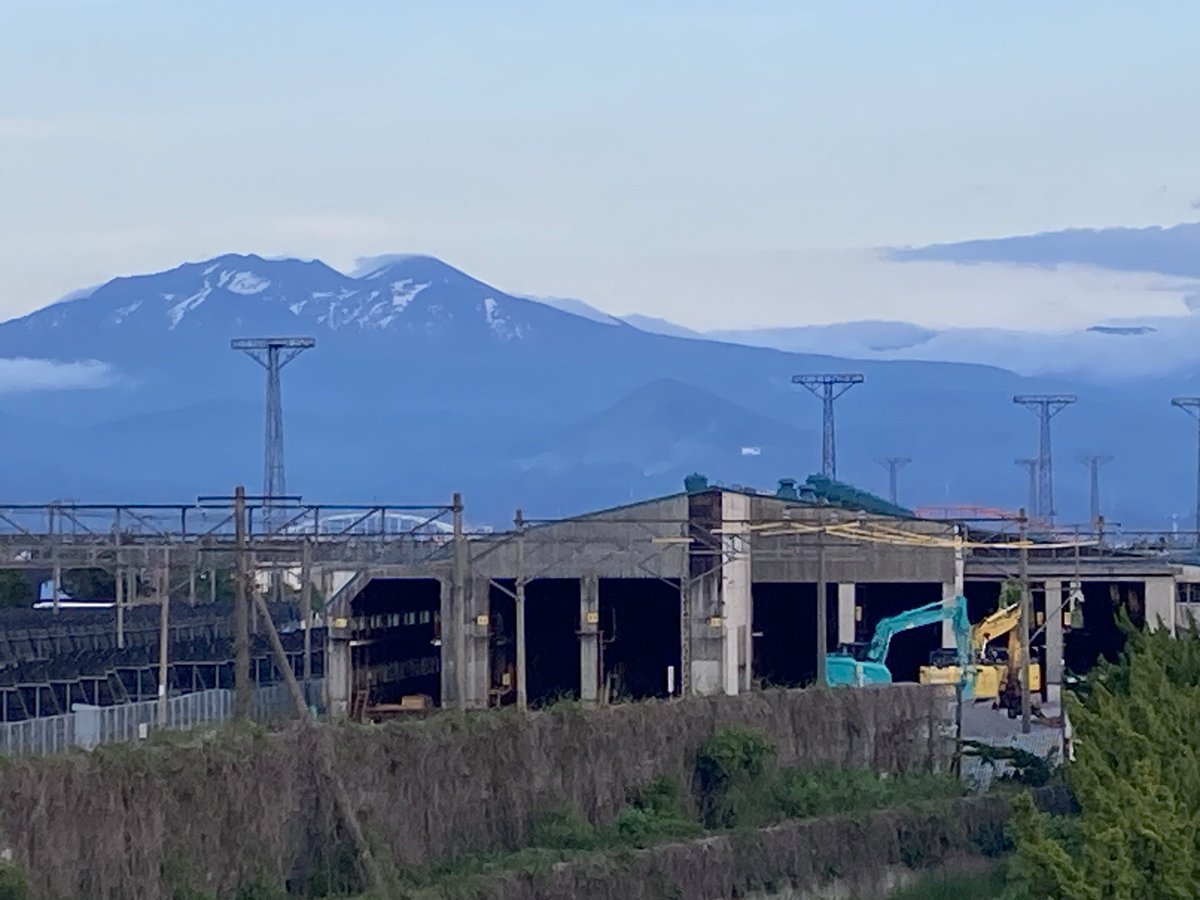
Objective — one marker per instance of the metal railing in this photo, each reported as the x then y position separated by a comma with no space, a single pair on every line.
88,726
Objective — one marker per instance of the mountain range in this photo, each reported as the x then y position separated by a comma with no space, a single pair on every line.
425,381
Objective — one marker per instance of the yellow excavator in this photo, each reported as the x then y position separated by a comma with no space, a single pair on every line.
995,669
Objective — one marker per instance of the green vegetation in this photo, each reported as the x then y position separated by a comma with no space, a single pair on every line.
741,787
1136,778
990,886
803,795
1025,769
13,885
738,786
733,769
16,590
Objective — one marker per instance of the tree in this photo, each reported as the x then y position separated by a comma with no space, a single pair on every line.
16,591
89,584
1136,778
226,585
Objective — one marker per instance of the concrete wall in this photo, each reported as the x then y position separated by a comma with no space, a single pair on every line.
1160,603
641,541
864,857
425,791
794,557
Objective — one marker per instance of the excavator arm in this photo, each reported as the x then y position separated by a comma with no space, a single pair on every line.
1001,622
929,614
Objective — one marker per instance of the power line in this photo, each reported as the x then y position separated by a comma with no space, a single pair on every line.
273,354
1046,406
828,388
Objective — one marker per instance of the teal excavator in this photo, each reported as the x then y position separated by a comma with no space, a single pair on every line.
863,664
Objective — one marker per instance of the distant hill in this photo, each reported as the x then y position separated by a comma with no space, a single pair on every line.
425,381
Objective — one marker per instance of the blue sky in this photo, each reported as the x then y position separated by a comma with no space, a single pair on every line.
724,164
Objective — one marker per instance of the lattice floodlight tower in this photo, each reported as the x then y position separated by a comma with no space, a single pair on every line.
1046,406
828,388
1191,405
273,354
1030,466
1095,462
894,464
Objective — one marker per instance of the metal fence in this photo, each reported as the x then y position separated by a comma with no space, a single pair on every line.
87,726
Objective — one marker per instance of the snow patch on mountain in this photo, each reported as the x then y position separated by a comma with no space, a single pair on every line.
125,311
176,313
501,323
245,283
404,292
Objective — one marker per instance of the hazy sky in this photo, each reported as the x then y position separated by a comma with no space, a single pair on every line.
712,162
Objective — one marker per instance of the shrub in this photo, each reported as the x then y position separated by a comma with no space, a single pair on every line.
563,829
799,795
13,885
655,814
733,768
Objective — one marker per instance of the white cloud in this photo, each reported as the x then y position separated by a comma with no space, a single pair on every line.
21,374
810,287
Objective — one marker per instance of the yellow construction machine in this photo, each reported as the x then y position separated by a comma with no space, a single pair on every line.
994,669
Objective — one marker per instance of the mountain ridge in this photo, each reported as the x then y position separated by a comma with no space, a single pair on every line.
410,395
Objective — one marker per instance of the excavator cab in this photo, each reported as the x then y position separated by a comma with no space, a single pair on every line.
859,650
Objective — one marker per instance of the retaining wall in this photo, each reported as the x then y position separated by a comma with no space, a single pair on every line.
222,810
858,858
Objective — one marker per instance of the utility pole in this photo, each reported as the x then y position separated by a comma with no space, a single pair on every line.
1191,405
56,578
822,612
241,611
1094,463
458,596
119,582
828,388
306,608
894,464
1026,611
164,634
1031,466
1046,406
273,354
522,688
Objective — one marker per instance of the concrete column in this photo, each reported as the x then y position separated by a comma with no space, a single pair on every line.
589,639
1053,675
708,634
846,619
1160,603
950,593
477,675
452,634
337,677
735,593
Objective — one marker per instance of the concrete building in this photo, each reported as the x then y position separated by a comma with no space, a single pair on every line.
712,590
